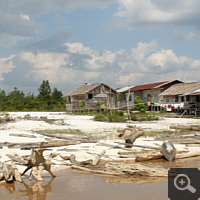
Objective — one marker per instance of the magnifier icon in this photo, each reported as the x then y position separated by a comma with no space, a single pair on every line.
181,179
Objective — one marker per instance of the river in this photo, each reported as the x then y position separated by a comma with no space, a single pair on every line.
75,185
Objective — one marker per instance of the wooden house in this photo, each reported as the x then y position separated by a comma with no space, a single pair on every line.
123,97
89,96
182,96
150,92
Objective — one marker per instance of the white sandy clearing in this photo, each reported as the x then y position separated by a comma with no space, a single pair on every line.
83,123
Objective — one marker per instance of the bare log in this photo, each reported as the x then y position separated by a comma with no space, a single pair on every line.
17,174
97,160
187,155
74,161
158,155
95,171
38,144
149,156
8,172
135,169
22,135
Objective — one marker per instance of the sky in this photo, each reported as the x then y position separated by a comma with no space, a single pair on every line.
116,42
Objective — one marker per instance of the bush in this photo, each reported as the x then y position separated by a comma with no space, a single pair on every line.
139,104
163,110
133,116
107,116
101,118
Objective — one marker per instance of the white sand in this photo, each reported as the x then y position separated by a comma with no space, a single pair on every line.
83,123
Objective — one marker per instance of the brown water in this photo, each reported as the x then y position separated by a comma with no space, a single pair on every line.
73,185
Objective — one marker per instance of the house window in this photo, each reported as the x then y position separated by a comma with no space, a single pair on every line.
130,98
188,98
182,99
176,98
90,96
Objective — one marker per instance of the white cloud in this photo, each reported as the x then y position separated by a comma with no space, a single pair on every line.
80,64
6,65
25,17
148,12
181,35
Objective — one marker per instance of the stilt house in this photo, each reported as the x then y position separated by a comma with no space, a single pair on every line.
91,96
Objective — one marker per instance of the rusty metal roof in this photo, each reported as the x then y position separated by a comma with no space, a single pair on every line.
149,86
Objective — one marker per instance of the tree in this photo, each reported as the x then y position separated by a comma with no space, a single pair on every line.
57,96
44,91
44,96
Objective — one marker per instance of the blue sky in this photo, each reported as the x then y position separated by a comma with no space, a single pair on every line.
117,42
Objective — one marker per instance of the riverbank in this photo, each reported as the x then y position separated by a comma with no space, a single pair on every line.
31,124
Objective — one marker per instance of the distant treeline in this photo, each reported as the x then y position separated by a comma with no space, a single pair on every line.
46,100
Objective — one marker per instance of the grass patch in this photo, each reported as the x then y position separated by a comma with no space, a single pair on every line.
157,133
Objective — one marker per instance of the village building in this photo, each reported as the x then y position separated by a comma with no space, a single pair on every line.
184,97
91,97
123,96
149,93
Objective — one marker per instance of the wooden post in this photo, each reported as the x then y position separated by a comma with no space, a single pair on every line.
128,112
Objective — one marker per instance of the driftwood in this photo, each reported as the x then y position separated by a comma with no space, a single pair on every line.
83,140
38,144
9,172
72,159
22,135
130,134
135,169
37,163
158,155
118,168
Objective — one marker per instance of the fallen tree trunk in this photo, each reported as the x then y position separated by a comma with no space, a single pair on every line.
158,155
83,140
38,144
135,169
124,169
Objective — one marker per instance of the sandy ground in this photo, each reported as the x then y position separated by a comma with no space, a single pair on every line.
83,123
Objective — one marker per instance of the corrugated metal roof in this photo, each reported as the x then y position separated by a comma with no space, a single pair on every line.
149,86
123,89
181,89
84,89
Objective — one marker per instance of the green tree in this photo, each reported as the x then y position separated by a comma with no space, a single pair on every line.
16,100
44,96
3,100
138,104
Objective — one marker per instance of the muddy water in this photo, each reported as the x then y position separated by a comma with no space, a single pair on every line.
73,185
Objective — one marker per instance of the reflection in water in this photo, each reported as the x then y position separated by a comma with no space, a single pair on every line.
73,185
32,191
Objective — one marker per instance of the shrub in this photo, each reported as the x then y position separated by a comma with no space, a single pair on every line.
139,104
101,118
133,116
